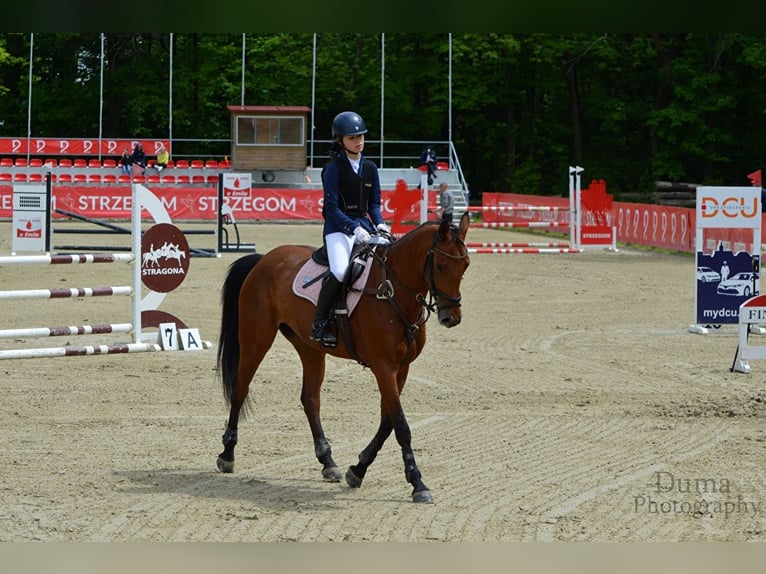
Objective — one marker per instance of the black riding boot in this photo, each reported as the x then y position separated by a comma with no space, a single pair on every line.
327,295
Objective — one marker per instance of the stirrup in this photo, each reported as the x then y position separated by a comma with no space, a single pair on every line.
321,333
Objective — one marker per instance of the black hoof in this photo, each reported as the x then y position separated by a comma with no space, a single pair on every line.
424,496
332,474
353,480
225,466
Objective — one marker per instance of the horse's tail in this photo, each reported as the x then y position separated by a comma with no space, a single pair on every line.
228,340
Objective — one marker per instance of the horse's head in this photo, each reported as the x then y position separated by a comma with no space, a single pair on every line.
446,262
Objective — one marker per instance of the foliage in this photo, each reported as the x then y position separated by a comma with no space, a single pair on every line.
519,108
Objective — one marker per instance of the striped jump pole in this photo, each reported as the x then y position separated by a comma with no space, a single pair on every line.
520,224
67,259
64,293
525,250
507,244
71,351
29,333
509,208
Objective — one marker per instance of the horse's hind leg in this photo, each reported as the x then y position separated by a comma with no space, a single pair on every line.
355,473
253,349
313,362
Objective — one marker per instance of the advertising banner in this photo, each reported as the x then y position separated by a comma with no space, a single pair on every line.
76,146
728,272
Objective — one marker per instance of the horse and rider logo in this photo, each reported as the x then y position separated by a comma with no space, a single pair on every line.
164,257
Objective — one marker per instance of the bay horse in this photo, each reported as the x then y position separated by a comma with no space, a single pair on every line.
410,278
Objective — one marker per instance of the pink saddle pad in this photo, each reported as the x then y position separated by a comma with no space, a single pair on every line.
307,285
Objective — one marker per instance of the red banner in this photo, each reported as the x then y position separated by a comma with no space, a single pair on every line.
188,203
77,146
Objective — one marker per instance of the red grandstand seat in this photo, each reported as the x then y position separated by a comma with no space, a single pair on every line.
442,165
139,178
171,163
183,179
79,178
153,178
21,162
19,177
35,177
93,162
198,179
182,163
6,162
124,178
197,164
167,178
65,162
108,162
110,178
35,162
94,178
65,178
213,178
6,176
79,162
211,164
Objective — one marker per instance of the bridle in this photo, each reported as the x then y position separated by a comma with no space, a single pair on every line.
438,300
428,273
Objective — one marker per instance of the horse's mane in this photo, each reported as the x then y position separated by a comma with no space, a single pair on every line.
416,231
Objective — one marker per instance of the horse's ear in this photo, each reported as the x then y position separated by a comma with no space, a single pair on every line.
444,228
465,223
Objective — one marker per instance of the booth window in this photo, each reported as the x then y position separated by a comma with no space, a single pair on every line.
270,130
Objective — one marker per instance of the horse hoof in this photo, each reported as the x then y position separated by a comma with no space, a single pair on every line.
353,480
331,474
424,496
225,466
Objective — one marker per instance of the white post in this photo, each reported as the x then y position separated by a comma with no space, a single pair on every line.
137,261
424,202
574,206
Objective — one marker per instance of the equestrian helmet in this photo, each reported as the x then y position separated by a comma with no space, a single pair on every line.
348,124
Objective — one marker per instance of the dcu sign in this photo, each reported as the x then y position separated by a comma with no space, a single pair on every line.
729,207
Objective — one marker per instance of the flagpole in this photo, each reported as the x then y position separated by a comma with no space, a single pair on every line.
101,101
449,108
170,97
29,92
242,97
313,99
382,90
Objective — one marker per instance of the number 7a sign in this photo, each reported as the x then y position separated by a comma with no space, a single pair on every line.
170,336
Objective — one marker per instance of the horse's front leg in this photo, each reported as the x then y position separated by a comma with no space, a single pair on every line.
420,492
392,418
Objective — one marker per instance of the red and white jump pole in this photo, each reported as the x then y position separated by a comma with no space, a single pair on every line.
525,250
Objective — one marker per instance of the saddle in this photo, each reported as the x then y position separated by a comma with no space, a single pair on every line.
308,280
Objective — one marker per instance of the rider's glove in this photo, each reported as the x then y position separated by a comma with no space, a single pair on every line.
361,235
383,227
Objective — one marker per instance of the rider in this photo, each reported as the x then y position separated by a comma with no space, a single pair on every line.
351,212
